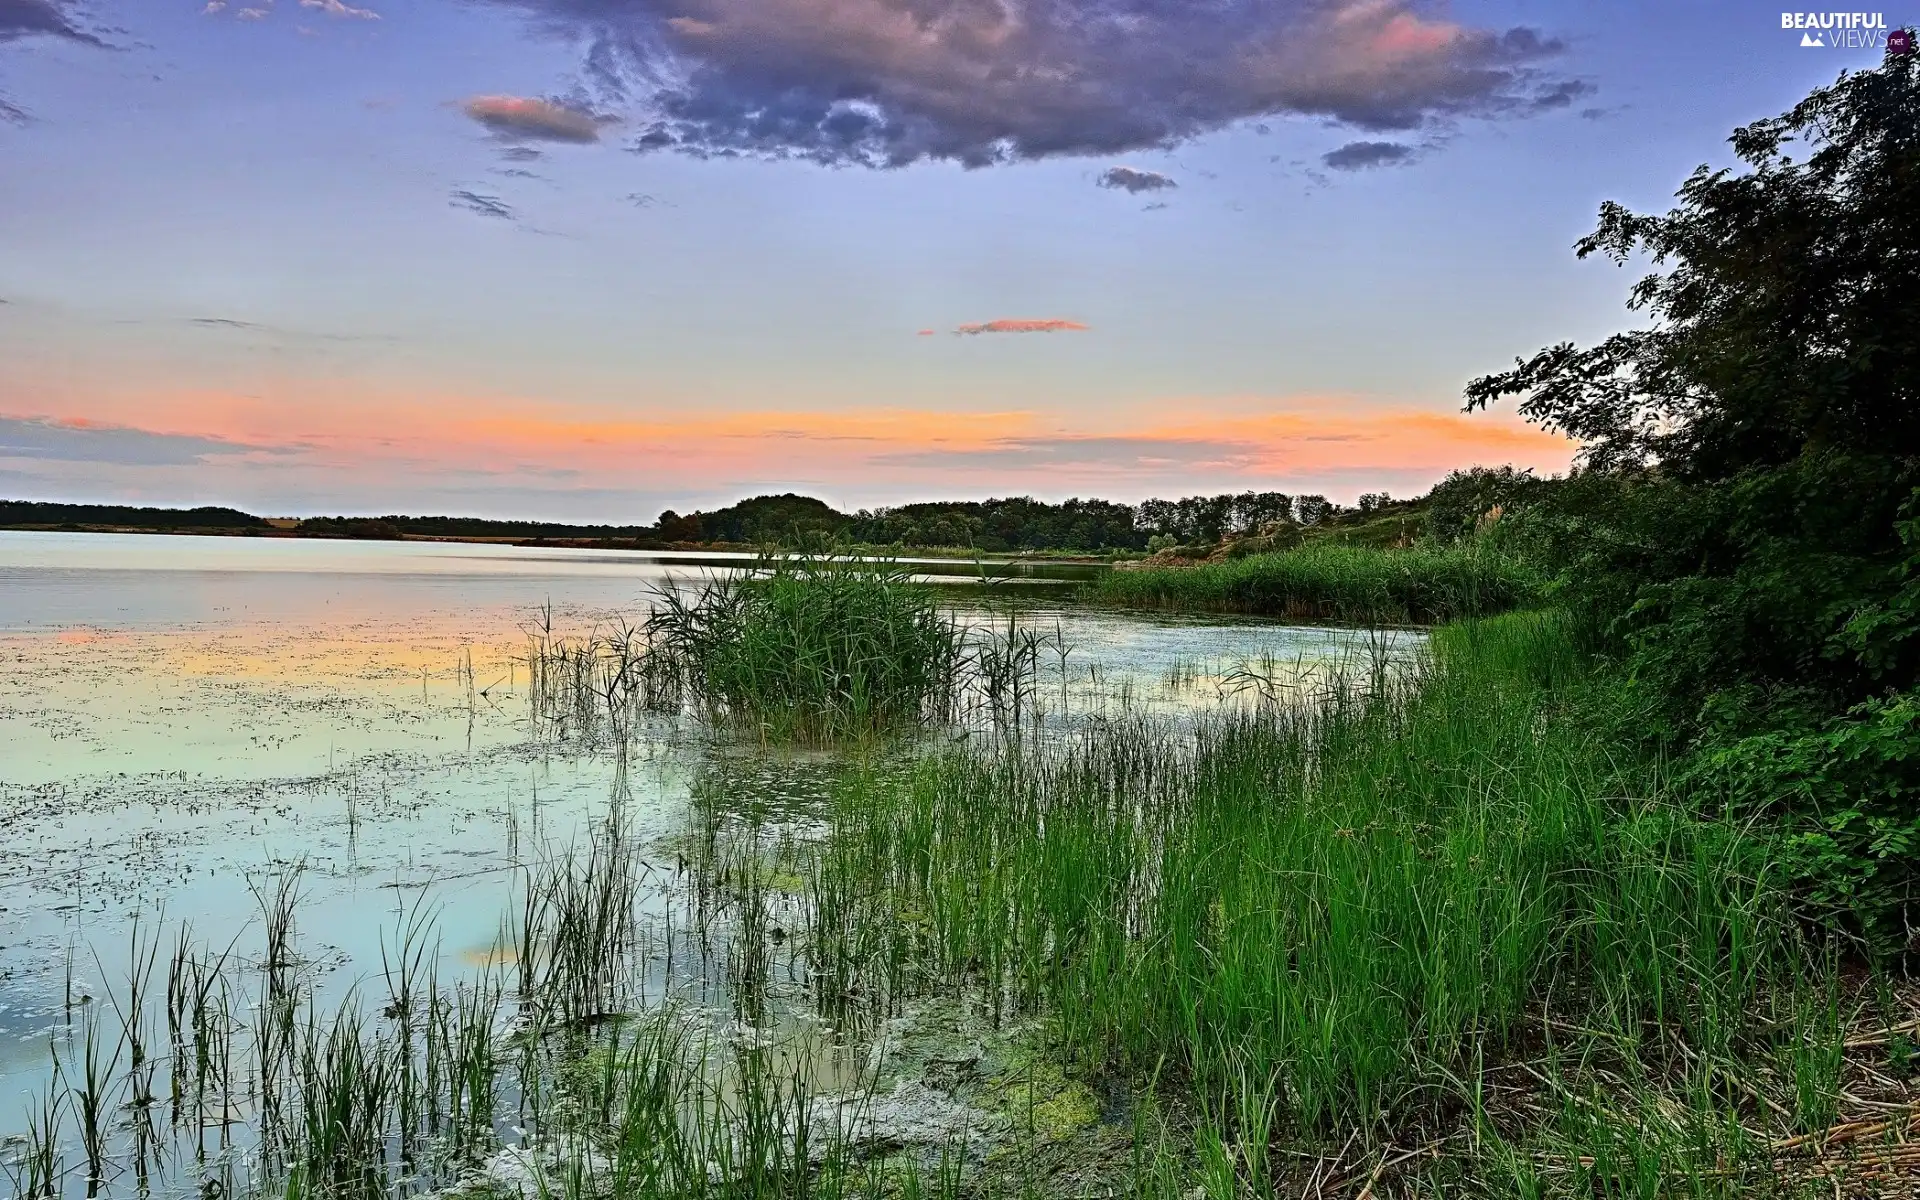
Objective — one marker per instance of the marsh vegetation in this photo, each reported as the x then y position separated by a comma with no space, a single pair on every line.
1408,930
1332,581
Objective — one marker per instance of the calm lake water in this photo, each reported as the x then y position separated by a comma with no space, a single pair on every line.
183,721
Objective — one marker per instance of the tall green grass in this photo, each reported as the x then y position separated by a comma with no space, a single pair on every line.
1334,582
1341,918
811,645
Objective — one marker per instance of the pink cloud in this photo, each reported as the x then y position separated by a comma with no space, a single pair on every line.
1024,325
529,116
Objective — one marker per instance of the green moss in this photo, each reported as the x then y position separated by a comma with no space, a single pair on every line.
787,883
1034,1091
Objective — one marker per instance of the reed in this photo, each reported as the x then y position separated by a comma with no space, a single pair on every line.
811,646
1327,581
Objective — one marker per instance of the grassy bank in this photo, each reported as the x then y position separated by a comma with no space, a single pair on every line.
1328,581
1447,918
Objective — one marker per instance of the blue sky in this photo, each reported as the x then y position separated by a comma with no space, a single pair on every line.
425,256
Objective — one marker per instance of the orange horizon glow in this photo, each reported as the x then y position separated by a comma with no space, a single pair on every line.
418,436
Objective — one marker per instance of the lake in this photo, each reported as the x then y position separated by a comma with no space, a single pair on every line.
189,725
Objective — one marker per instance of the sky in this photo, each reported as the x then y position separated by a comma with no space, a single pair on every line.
589,259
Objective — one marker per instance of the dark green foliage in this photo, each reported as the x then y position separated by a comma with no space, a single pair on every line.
997,526
787,519
1474,500
32,512
1845,794
1207,519
1327,580
1785,324
1744,538
395,526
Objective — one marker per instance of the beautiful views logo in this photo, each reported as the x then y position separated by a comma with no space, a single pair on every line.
1838,30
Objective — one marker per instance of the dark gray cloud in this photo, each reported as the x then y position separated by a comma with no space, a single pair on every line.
1135,180
38,18
521,154
1357,156
40,438
1561,95
486,206
41,18
889,82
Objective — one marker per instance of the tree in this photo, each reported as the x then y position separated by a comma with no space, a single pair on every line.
1311,510
1786,322
1743,531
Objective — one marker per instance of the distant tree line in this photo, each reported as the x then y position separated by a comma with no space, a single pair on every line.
44,514
1017,523
994,526
459,527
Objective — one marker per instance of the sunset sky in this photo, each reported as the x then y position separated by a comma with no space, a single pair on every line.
587,259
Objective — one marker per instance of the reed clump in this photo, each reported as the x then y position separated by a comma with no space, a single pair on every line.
1328,581
811,646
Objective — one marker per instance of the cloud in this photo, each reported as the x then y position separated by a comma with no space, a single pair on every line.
334,8
41,18
1561,95
1123,453
1312,440
486,206
1134,180
80,441
885,83
924,333
1024,325
531,117
20,19
1357,156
